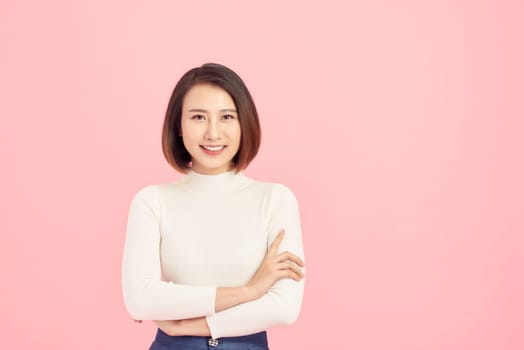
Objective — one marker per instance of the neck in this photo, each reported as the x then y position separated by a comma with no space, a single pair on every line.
227,181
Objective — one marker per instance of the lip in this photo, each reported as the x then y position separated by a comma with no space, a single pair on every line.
213,153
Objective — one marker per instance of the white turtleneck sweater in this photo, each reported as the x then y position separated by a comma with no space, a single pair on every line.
185,239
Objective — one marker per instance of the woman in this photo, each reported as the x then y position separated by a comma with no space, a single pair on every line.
214,258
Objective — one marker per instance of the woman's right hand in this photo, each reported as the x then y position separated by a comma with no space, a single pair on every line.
275,267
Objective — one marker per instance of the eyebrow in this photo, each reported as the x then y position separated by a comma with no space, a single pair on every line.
205,111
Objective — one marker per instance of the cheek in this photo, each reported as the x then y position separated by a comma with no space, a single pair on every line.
189,132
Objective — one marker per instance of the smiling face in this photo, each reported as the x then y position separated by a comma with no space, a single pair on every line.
210,129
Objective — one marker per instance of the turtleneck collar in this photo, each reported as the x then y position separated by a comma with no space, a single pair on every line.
214,184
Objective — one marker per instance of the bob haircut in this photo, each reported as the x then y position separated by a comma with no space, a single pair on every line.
220,76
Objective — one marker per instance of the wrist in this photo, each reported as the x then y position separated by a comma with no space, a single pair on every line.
251,292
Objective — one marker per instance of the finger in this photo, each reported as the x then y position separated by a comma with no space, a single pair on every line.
292,267
291,274
290,256
273,248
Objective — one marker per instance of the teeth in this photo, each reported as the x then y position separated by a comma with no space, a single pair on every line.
213,148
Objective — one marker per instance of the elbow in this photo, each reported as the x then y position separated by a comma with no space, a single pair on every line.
289,315
135,307
288,312
138,301
288,302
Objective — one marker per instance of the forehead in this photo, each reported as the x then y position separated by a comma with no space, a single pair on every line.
207,96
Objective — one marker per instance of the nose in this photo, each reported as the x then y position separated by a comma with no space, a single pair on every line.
213,129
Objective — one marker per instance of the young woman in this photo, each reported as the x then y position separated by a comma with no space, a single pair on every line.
214,258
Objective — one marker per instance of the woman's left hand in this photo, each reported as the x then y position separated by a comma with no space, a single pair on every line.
191,326
169,327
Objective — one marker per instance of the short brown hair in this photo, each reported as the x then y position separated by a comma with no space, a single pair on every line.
218,75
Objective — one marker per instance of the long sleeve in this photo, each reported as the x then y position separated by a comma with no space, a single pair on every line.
146,296
281,304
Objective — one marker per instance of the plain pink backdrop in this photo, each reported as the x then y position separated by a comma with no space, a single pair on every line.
398,124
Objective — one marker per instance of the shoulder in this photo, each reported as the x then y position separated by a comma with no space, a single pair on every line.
277,192
283,191
153,193
147,192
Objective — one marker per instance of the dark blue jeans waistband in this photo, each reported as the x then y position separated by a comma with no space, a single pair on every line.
257,340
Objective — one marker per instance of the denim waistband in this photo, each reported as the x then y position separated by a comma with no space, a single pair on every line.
256,339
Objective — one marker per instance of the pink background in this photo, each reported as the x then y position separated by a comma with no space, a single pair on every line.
398,124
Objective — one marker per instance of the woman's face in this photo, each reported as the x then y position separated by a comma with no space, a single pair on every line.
210,129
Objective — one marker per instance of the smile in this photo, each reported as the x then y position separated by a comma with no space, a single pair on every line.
213,150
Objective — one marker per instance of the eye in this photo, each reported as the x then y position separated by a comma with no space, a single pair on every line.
198,117
228,117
